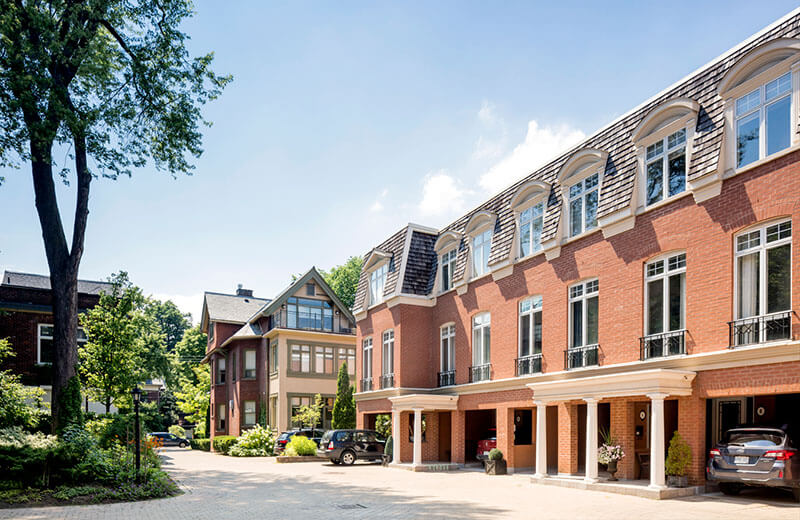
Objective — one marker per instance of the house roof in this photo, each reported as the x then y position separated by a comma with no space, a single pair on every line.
229,308
617,187
39,281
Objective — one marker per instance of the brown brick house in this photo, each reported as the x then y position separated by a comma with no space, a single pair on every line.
273,356
644,282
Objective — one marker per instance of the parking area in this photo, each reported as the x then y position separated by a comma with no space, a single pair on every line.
218,487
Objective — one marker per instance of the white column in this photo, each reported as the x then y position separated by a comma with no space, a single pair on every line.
417,437
395,436
591,440
541,439
657,479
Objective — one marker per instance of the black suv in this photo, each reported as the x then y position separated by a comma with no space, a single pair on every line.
170,439
347,446
284,438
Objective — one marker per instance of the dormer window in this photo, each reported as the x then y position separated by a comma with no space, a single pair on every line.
583,200
666,167
481,247
763,120
531,222
377,281
448,262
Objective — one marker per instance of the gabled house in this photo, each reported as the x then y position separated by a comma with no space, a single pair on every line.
269,357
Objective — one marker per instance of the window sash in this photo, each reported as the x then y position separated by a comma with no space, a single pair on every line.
584,314
481,248
448,268
447,351
367,358
387,360
531,222
762,120
249,414
377,283
583,203
249,363
530,326
763,270
481,339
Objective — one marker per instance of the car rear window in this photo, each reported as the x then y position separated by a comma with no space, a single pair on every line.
284,436
755,439
343,436
326,438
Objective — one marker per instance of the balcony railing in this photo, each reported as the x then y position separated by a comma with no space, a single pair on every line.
366,384
527,365
663,344
760,329
480,373
387,381
447,378
579,357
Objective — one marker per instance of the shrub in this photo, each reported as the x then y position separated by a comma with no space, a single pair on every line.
24,456
300,445
383,425
257,442
200,444
679,456
388,447
177,430
223,443
495,454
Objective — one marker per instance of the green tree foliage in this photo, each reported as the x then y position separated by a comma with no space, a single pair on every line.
20,405
344,408
193,397
309,416
112,83
343,279
383,425
171,321
188,353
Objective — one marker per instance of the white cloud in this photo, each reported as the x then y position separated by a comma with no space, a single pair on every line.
487,114
377,206
442,195
541,145
493,139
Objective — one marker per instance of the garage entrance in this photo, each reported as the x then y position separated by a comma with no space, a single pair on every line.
478,425
775,411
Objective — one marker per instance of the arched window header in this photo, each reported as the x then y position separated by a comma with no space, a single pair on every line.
664,114
580,161
757,61
478,220
446,239
529,191
376,257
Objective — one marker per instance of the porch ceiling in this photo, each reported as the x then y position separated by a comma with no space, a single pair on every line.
642,382
424,401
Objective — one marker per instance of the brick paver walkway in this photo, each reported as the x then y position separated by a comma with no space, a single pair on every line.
220,487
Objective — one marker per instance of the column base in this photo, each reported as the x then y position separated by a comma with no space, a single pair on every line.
591,480
540,476
657,487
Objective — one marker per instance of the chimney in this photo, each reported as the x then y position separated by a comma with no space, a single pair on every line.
243,292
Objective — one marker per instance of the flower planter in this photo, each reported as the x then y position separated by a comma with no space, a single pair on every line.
679,481
611,467
496,467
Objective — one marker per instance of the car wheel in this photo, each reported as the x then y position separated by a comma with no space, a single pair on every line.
336,461
348,458
729,488
182,445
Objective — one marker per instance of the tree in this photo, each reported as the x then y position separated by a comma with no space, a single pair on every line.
344,408
193,397
383,425
20,405
309,416
172,322
188,353
108,82
112,358
343,279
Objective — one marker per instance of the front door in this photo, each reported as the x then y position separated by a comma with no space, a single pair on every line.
730,414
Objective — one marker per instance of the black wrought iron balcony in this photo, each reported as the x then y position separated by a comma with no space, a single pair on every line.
527,365
480,373
387,381
760,329
366,384
579,357
447,378
664,344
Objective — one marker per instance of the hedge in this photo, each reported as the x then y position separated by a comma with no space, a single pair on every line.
223,443
200,444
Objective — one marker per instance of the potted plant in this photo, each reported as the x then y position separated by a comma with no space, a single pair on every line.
679,457
495,465
610,453
387,451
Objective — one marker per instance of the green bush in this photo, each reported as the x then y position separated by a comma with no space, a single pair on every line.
24,456
495,454
300,445
388,447
679,456
383,425
257,442
200,444
177,430
223,443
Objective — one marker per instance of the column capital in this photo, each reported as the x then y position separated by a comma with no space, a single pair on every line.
592,400
540,402
418,410
658,396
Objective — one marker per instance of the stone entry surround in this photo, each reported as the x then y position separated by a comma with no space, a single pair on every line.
416,404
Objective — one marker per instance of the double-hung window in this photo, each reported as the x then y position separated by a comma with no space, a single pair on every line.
447,355
221,417
323,360
665,295
530,336
666,167
584,321
481,247
531,221
387,360
249,415
366,361
481,346
45,342
220,370
583,199
763,120
347,355
301,358
763,284
448,267
250,364
377,281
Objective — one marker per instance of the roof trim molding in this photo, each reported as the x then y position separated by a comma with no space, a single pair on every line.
581,160
376,257
663,114
445,239
756,61
528,191
478,220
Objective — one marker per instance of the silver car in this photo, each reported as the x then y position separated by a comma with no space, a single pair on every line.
755,457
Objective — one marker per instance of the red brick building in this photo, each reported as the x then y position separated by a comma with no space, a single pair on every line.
644,282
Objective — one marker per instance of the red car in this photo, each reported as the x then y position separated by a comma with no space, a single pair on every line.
486,445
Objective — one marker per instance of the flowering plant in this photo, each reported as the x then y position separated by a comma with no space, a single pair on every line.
609,452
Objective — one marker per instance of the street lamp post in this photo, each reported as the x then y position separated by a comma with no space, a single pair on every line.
137,395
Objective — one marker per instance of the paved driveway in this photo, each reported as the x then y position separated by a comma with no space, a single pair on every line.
220,487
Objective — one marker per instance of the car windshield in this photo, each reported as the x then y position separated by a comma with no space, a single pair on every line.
755,439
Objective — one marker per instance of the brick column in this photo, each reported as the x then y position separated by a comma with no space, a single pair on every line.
457,425
692,427
505,433
623,429
567,438
406,448
360,420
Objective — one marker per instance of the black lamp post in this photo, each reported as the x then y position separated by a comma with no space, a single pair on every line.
137,395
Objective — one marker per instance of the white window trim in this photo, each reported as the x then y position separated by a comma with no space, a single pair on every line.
528,195
664,277
583,163
439,282
39,337
387,339
481,327
529,314
367,341
761,227
584,313
447,331
471,261
689,123
377,301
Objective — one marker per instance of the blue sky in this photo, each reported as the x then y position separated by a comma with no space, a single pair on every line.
347,120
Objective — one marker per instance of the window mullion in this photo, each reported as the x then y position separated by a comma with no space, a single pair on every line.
665,298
